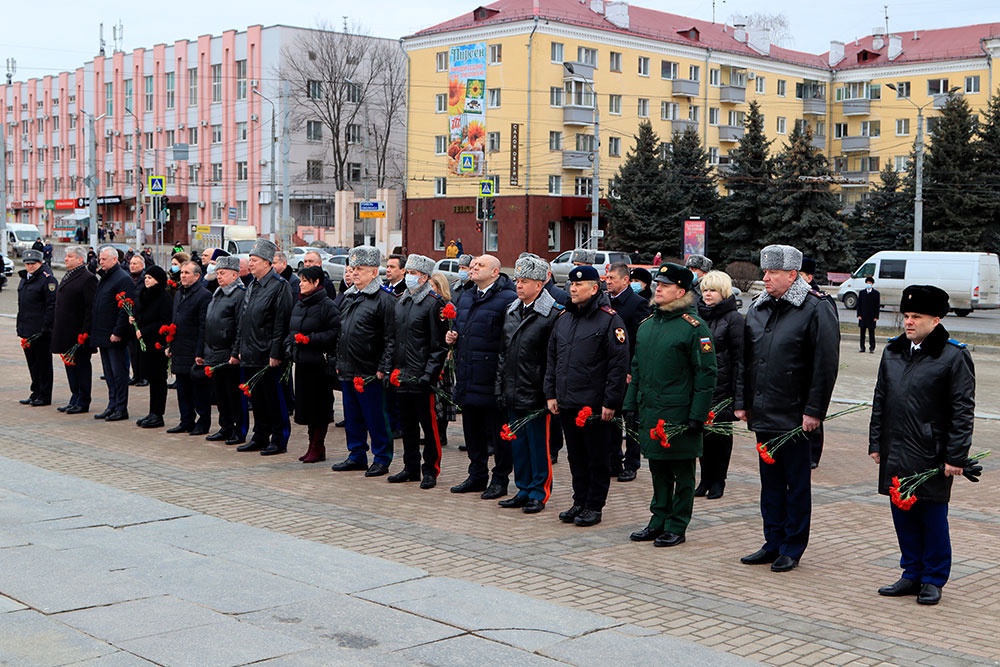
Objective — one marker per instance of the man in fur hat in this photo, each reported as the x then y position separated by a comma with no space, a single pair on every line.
791,360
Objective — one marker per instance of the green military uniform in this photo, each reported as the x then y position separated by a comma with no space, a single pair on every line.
673,379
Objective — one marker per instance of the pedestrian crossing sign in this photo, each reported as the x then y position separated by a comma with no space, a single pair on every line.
467,163
156,185
486,187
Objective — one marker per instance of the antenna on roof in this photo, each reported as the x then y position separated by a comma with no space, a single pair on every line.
886,20
101,30
117,36
11,69
713,9
345,24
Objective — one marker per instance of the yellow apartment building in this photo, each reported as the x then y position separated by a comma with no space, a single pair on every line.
502,100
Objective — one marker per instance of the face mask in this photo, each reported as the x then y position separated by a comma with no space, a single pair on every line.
174,268
463,275
868,289
412,282
210,269
636,287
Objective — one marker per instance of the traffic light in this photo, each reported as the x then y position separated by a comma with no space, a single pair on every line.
164,202
490,209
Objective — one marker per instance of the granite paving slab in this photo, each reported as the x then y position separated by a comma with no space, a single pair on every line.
120,622
608,647
469,650
29,639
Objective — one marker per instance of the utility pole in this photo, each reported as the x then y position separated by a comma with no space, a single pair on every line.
92,168
274,142
286,147
3,192
918,195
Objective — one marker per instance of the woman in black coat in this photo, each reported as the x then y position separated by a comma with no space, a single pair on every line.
720,311
312,334
153,309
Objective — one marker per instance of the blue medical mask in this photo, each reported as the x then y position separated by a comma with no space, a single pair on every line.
463,275
412,281
636,287
174,268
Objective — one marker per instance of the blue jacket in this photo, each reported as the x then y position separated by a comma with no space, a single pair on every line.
480,336
108,318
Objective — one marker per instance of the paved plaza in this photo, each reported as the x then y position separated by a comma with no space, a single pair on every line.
124,546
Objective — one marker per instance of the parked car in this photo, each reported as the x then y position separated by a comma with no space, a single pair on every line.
297,254
334,267
8,266
561,266
449,267
122,249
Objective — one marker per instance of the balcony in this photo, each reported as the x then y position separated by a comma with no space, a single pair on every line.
855,144
577,160
733,94
814,106
819,142
580,71
941,99
730,133
685,88
854,179
858,107
681,126
577,115
724,169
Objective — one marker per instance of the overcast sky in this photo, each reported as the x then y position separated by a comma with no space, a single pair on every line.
53,36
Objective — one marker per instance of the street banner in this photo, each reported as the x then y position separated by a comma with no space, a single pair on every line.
466,108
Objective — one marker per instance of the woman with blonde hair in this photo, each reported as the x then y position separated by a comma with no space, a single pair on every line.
446,410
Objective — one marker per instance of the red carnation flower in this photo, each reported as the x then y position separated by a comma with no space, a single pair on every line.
359,385
583,415
82,338
394,378
449,312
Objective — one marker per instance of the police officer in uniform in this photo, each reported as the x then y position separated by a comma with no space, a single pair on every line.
73,312
585,372
36,312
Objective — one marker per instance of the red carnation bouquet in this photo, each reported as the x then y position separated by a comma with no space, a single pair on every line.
128,305
585,414
69,356
510,429
360,382
448,314
26,342
301,339
902,492
767,450
210,370
247,387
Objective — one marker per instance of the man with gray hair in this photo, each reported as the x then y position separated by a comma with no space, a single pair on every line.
74,309
110,331
791,359
313,258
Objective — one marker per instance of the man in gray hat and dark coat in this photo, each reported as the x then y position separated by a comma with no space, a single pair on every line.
36,314
792,355
221,321
259,347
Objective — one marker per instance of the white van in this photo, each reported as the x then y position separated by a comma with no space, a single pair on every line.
972,279
20,237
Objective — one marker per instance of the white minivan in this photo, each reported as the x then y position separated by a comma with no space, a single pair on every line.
972,279
21,237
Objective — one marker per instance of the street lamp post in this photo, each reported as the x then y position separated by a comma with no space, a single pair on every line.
595,181
274,143
918,193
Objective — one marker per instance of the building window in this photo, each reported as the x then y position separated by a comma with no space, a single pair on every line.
713,155
72,122
555,140
314,171
353,133
109,100
441,61
441,103
314,130
972,84
496,54
556,52
241,171
715,77
615,105
72,151
587,56
713,115
241,79
615,62
128,93
643,66
216,83
148,136
314,89
583,186
902,127
839,130
760,85
737,118
782,125
901,162
171,175
668,110
585,142
871,128
668,69
579,94
932,124
694,113
354,172
216,172
493,98
642,107
555,96
217,134
109,180
441,144
218,210
937,86
169,85
553,236
555,185
241,209
109,147
694,73
241,133
614,147
352,93
440,186
193,174
193,136
782,88
439,234
820,129
148,87
192,86
492,142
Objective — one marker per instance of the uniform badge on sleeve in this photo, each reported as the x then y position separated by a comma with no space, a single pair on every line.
620,334
706,344
52,287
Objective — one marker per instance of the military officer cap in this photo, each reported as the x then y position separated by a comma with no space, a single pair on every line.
527,254
582,273
780,258
365,255
924,299
227,262
699,262
464,260
264,249
674,274
531,267
583,256
424,265
808,265
32,256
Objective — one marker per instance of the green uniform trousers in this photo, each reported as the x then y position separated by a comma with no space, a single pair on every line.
673,494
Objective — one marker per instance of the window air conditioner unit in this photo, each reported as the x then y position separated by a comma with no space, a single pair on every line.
201,204
253,83
204,123
118,133
263,162
751,76
253,116
181,126
109,133
159,128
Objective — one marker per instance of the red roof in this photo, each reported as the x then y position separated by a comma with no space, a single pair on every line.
921,46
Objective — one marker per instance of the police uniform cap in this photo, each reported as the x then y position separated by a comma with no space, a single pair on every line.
421,263
780,258
264,249
924,299
699,262
365,255
674,274
32,256
227,262
582,273
808,265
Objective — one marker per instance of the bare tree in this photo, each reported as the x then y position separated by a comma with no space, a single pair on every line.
387,122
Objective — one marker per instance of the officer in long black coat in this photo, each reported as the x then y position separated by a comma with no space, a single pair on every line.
73,313
188,350
36,311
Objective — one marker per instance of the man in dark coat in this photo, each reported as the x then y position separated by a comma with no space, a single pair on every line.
313,258
395,273
792,354
586,373
922,418
869,307
477,337
259,348
36,310
73,313
222,318
633,309
188,350
282,268
111,332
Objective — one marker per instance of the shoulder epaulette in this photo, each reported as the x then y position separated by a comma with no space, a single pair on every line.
892,339
820,294
386,288
435,295
609,310
558,306
645,318
957,343
690,320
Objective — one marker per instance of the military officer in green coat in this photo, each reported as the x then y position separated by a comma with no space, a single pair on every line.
673,379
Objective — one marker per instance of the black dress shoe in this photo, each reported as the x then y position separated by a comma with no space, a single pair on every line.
377,470
102,415
469,486
516,501
759,557
251,446
701,489
116,416
26,401
142,383
494,491
626,475
76,409
141,420
403,475
132,382
64,408
588,518
669,540
715,491
346,464
534,506
570,515
153,422
646,534
235,440
180,428
428,482
784,563
339,424
929,594
217,436
273,449
198,430
37,402
900,588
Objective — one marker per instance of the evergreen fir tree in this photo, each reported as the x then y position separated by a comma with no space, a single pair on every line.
801,210
988,168
689,189
884,221
635,211
747,179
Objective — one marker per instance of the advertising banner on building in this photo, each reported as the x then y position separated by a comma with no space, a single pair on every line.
695,241
467,109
